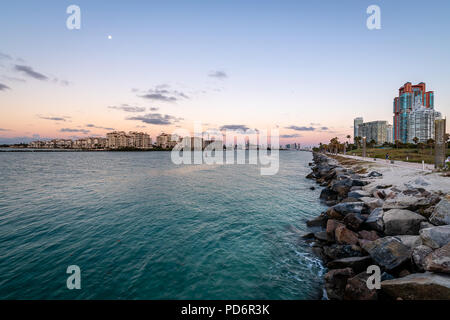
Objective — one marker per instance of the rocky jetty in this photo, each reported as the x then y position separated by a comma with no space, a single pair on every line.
403,231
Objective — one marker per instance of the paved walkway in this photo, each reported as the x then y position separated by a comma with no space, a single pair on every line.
401,164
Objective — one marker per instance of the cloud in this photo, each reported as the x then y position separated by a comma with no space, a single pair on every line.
314,124
90,125
218,74
3,129
301,128
128,108
5,56
61,118
4,87
234,127
156,118
30,72
154,109
295,135
324,128
74,130
163,93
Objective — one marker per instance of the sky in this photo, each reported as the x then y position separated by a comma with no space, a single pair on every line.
307,68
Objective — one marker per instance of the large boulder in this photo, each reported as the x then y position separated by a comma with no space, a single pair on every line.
357,194
335,282
439,260
372,203
319,221
435,237
441,213
419,286
358,264
401,202
345,236
375,220
388,252
399,221
328,195
410,241
356,288
353,221
418,256
348,207
339,251
331,227
342,187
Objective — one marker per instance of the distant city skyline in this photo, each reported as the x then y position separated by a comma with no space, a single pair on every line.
307,69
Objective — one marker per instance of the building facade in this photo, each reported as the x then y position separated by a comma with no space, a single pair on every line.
356,123
404,104
120,139
377,131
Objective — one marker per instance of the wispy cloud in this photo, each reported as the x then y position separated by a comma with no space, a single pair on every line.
154,109
30,72
297,128
128,108
90,125
5,56
156,118
74,130
295,135
60,118
4,87
218,74
163,93
324,128
235,127
3,129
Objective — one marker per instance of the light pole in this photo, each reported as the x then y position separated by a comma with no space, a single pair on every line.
364,147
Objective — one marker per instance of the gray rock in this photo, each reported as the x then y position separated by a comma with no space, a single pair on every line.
419,286
372,203
356,288
403,202
349,207
335,282
410,241
375,174
358,264
398,222
388,252
358,194
426,224
441,213
439,260
375,220
435,237
418,256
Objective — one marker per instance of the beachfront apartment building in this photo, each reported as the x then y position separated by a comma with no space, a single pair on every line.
166,141
378,131
132,139
406,102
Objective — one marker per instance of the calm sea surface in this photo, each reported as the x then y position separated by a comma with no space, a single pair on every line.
140,227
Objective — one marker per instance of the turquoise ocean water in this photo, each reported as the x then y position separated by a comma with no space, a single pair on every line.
140,227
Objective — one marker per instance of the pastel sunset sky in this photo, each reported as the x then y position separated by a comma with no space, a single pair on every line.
307,68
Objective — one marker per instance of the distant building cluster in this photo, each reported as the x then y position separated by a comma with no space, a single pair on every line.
83,143
121,140
414,117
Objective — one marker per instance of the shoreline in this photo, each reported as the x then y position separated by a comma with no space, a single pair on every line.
394,219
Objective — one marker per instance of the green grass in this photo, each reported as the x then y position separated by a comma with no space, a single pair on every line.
413,155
